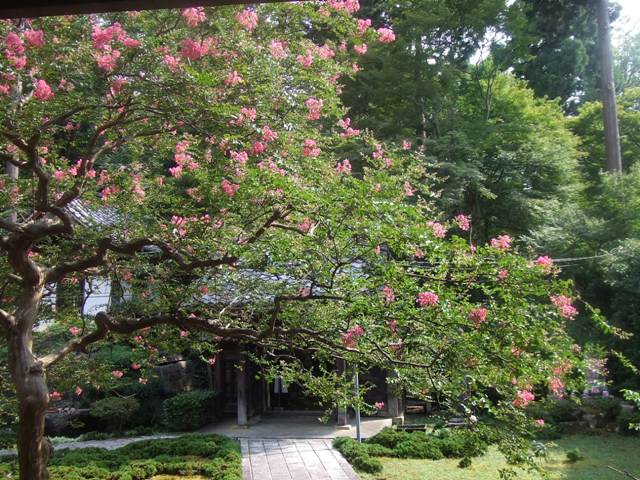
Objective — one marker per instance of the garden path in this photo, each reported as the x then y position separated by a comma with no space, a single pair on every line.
293,459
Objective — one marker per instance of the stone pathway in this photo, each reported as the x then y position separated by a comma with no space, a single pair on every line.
293,459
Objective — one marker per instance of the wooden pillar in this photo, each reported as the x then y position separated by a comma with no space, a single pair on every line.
242,391
394,403
343,413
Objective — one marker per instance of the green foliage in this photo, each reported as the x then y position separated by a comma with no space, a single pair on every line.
212,456
555,410
574,455
606,407
357,455
115,412
189,410
465,462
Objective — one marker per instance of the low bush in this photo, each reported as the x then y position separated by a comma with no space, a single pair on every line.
189,411
376,450
389,437
212,456
420,446
464,463
357,454
607,407
626,420
574,455
115,412
554,411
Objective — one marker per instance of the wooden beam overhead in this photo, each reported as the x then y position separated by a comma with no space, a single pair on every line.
44,8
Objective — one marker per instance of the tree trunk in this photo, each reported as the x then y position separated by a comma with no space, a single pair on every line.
608,89
31,390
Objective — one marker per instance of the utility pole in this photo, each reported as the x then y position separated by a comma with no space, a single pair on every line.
608,89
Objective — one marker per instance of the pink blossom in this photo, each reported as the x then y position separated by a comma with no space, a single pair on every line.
229,188
378,405
249,113
268,135
409,191
117,373
304,292
314,107
58,175
344,167
389,294
540,422
194,16
258,148
305,225
142,381
233,78
503,274
14,44
438,229
34,38
184,333
78,391
350,338
135,366
363,25
248,19
192,50
324,52
277,49
406,145
42,90
428,299
386,35
563,303
109,61
463,221
310,148
130,42
377,249
171,62
4,89
176,171
556,386
212,360
545,262
305,60
55,396
502,242
393,326
349,6
108,191
523,398
478,315
241,157
75,331
360,49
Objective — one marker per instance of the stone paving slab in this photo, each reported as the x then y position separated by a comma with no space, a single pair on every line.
293,459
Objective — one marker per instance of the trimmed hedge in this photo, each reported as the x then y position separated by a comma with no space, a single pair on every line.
115,412
212,456
189,410
357,454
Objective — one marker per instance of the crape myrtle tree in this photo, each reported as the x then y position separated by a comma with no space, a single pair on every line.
247,207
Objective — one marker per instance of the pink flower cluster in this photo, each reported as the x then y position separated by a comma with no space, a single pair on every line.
233,78
378,405
545,262
350,338
310,148
345,124
344,167
314,107
389,294
35,38
271,166
409,191
563,303
268,135
386,35
305,60
14,51
502,242
349,6
360,49
523,398
194,16
229,188
463,221
277,49
42,91
363,24
438,229
248,19
428,299
478,315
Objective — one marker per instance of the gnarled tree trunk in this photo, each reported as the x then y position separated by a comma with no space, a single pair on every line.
33,397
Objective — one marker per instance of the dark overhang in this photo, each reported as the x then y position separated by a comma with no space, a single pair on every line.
43,8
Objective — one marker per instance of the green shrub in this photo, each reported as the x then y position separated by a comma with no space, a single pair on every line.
625,420
462,443
574,455
115,412
357,454
548,432
423,446
389,437
7,440
465,462
188,411
376,450
607,407
566,410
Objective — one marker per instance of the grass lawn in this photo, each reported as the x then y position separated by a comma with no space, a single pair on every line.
599,451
